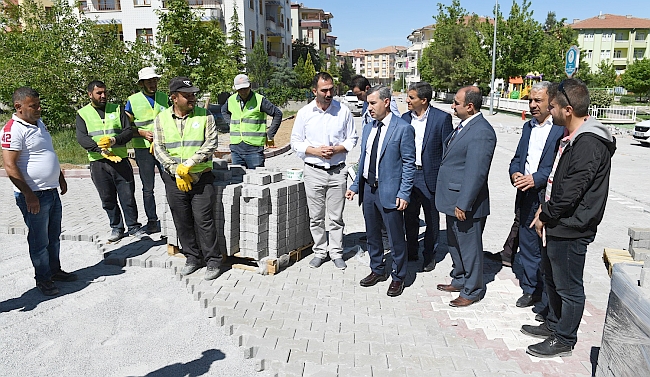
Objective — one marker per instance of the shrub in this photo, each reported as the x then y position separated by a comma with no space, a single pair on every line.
627,100
600,98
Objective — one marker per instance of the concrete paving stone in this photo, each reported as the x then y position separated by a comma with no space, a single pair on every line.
458,341
279,333
497,365
372,337
247,340
265,356
335,337
326,326
302,325
320,370
238,330
320,346
249,306
327,309
432,341
424,349
348,370
360,327
355,348
309,335
276,307
294,344
385,349
447,352
407,361
268,323
377,361
312,316
442,363
297,356
401,339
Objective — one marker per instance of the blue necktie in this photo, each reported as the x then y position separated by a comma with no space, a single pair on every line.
460,126
372,169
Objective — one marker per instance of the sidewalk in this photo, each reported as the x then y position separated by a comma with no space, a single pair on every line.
304,321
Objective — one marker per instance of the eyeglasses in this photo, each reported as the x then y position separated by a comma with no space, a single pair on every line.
561,89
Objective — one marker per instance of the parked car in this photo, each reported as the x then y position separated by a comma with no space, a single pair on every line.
353,103
642,132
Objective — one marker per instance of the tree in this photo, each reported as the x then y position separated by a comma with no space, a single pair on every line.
283,75
551,22
301,48
194,48
308,73
455,58
516,54
346,71
637,77
236,44
552,47
333,65
258,66
605,77
398,84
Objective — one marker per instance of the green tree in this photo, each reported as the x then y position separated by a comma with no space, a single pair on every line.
398,84
455,58
600,98
552,48
283,75
194,48
605,76
346,71
236,40
258,66
308,73
515,52
333,65
637,77
301,48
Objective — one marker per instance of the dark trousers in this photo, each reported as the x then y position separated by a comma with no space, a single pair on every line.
512,242
113,181
193,214
422,197
147,164
465,240
530,246
563,261
374,214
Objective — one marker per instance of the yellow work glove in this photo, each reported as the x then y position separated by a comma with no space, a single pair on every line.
110,156
270,143
151,148
104,142
182,170
183,184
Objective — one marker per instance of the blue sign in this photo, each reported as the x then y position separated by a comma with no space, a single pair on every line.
572,61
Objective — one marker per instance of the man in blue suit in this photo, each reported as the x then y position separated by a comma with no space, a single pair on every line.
384,185
529,171
432,126
462,194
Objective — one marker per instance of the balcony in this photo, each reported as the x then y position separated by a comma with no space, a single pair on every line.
277,54
200,3
270,23
100,6
320,24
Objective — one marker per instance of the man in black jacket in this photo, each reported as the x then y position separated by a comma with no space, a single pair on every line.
574,204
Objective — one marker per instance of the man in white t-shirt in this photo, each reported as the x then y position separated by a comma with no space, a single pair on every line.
33,168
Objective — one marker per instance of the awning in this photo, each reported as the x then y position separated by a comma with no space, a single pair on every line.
108,22
516,80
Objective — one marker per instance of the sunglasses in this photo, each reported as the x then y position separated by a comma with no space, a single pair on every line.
560,88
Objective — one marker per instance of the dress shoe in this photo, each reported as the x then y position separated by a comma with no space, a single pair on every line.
447,288
462,302
542,331
550,347
428,267
539,317
395,289
372,279
527,300
63,276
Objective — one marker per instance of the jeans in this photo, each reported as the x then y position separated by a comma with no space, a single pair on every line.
114,180
44,232
146,165
563,261
249,160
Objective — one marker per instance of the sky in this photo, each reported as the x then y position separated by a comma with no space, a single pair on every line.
372,24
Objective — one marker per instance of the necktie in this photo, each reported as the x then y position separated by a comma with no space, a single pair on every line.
460,126
372,169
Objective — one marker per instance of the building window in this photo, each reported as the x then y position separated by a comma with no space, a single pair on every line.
604,54
251,36
590,54
251,4
621,36
589,36
640,36
639,53
607,36
261,8
145,34
142,3
288,23
618,54
310,33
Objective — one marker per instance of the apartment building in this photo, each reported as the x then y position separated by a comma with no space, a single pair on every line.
617,39
266,21
313,25
382,66
357,60
419,38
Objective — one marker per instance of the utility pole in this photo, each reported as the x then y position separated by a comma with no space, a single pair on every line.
494,56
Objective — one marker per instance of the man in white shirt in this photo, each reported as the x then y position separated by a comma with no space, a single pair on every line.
322,135
529,171
33,168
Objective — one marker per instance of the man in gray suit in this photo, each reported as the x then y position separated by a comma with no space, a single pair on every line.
384,184
462,194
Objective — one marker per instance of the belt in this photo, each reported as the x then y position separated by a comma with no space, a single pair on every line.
324,168
418,167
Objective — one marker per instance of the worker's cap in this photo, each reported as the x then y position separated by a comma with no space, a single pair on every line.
241,82
147,73
182,84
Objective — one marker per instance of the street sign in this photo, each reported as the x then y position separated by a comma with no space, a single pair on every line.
572,61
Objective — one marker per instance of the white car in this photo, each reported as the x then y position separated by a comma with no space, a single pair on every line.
353,103
642,131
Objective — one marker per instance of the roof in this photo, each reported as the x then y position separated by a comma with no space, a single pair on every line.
612,21
386,50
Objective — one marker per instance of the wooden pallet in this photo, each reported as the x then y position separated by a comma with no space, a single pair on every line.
613,256
272,265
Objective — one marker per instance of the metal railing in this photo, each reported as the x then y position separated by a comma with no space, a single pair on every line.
614,114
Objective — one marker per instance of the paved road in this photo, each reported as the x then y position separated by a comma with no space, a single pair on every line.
124,321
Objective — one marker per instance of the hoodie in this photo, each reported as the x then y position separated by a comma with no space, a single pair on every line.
580,183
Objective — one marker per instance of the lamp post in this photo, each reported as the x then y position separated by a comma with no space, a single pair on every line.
494,56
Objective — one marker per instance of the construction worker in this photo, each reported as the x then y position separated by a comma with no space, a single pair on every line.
142,108
185,137
246,113
103,129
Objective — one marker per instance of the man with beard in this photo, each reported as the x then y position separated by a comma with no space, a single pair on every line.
103,129
322,135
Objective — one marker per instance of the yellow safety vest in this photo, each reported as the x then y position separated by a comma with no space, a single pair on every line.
182,147
247,125
98,128
144,114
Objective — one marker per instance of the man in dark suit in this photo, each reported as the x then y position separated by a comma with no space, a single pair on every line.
432,126
462,194
384,184
529,171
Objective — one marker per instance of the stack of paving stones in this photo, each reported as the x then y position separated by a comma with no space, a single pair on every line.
639,243
227,187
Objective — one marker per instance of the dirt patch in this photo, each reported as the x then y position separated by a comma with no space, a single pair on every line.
283,136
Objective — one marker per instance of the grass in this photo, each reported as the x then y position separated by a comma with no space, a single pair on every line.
67,148
288,113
